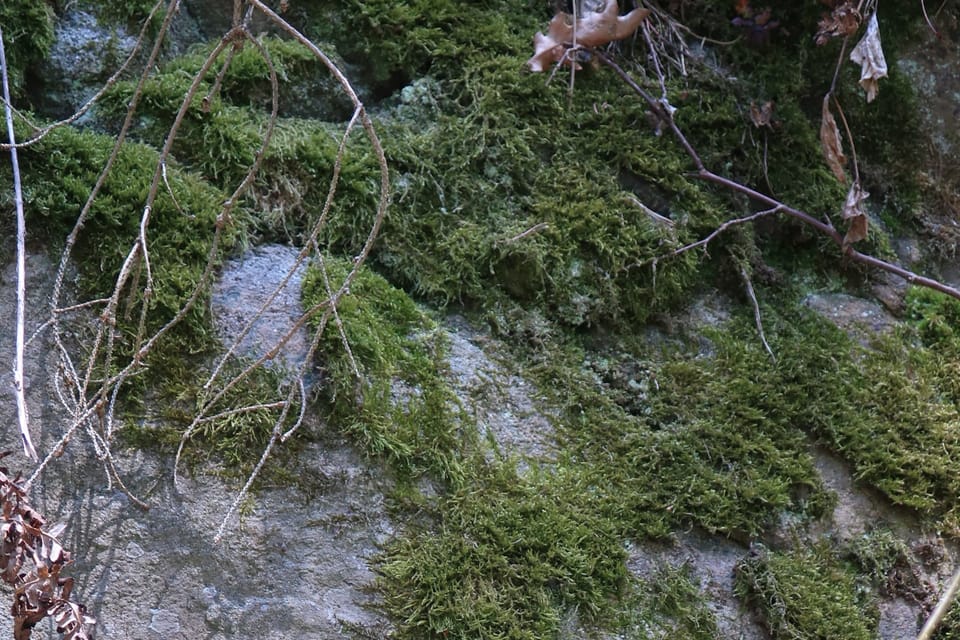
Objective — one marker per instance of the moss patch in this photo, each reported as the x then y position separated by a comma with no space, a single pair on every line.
669,604
716,442
399,408
507,558
805,594
230,439
58,175
27,37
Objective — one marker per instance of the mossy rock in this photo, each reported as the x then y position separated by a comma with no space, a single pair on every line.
381,359
506,558
668,604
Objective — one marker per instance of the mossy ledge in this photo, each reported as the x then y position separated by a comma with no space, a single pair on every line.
519,204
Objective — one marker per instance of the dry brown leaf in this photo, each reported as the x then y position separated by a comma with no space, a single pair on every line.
855,215
762,116
31,557
594,29
830,142
843,21
869,55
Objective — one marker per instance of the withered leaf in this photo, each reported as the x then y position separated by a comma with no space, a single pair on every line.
843,21
855,215
594,29
762,116
31,558
869,55
830,142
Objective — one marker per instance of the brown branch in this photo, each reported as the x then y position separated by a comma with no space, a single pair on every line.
665,113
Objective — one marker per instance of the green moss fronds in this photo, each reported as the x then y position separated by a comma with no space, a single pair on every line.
669,604
805,593
507,558
27,36
399,408
714,442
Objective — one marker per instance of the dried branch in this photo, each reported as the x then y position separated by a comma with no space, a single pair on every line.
713,234
757,317
665,113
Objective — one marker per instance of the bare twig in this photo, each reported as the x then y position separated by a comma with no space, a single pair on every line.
758,319
23,417
540,226
936,32
713,234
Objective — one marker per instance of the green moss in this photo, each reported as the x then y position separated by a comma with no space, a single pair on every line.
27,37
519,190
423,36
58,175
129,13
906,442
303,83
877,553
513,197
581,259
669,604
229,440
949,628
400,408
289,192
805,593
508,557
937,318
685,440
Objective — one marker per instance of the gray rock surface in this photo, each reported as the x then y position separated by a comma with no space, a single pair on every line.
295,564
83,56
501,401
267,278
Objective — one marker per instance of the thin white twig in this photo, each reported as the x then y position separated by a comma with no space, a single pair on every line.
757,318
23,417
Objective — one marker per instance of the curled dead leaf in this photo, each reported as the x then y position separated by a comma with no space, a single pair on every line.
762,115
593,29
843,21
830,142
31,558
869,55
855,215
